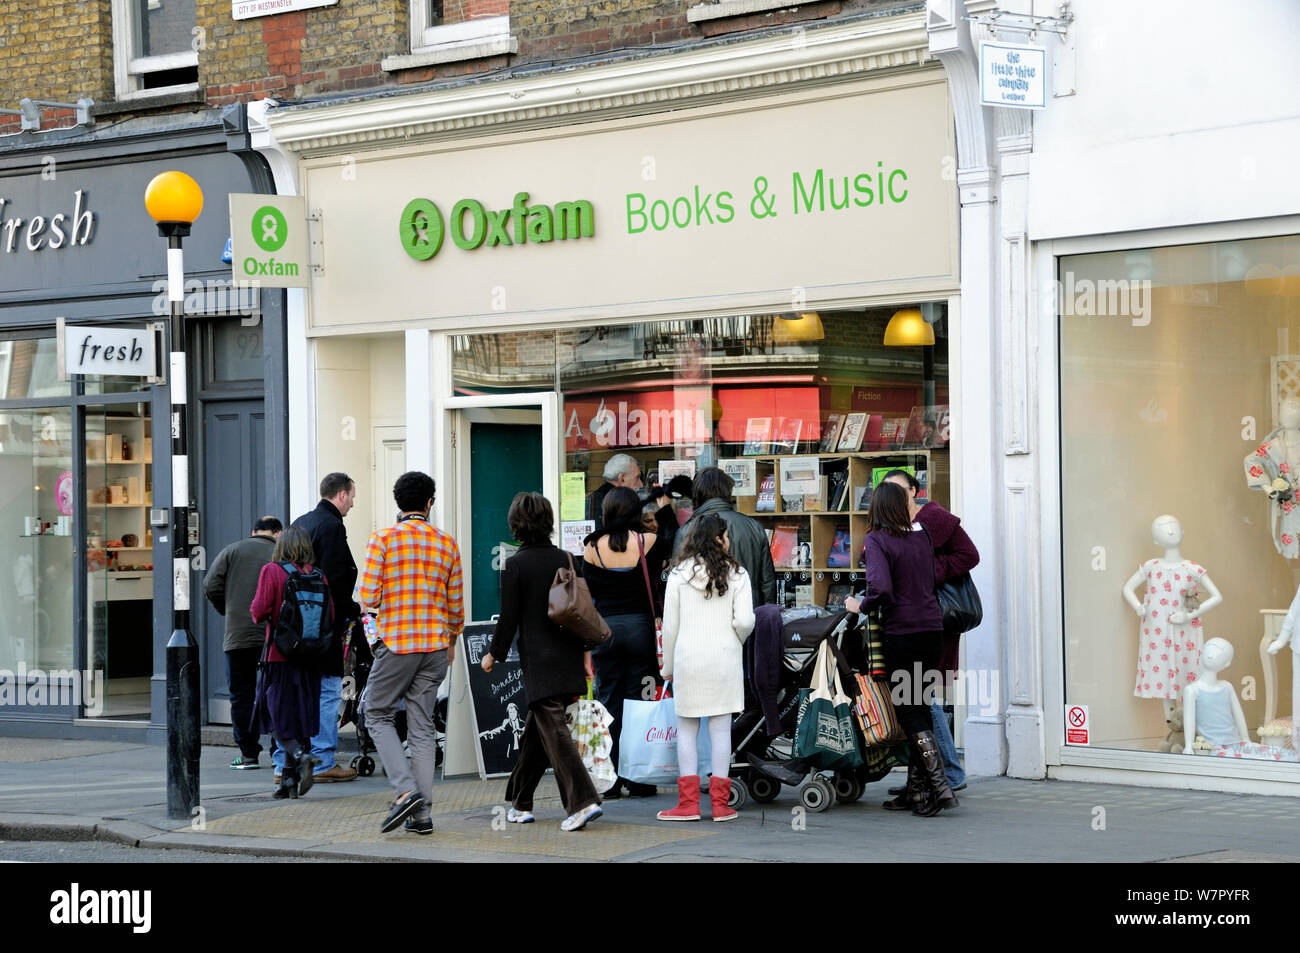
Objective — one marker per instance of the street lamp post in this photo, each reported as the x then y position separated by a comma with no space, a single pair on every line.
174,201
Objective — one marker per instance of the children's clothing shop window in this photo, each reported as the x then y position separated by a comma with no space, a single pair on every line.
806,411
1180,406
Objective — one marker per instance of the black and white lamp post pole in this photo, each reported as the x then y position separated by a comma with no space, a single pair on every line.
174,200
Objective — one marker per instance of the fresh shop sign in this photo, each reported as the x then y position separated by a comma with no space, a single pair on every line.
472,224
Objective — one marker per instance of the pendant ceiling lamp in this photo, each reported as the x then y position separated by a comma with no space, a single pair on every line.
908,328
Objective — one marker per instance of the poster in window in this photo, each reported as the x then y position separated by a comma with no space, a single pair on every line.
744,473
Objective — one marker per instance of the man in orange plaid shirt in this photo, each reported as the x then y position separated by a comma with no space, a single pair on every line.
412,577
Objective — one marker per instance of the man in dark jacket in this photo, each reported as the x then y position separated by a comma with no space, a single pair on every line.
329,540
230,584
712,494
620,470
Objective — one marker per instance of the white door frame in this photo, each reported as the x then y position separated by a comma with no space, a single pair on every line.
453,473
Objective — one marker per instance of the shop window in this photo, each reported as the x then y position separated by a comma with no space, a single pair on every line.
1180,450
153,50
37,498
806,410
29,368
444,31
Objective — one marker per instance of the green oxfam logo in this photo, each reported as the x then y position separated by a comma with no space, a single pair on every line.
421,229
270,230
471,225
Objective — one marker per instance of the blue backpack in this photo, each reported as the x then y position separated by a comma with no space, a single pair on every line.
301,634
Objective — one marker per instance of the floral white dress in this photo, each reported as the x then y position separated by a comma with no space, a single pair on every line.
1270,468
1169,655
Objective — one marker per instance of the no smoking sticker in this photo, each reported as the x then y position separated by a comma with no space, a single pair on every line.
1076,724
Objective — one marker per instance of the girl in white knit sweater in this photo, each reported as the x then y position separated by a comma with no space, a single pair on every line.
708,614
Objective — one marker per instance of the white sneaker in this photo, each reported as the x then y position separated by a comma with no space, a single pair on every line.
519,817
576,822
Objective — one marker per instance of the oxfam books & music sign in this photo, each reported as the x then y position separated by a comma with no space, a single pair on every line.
268,236
422,226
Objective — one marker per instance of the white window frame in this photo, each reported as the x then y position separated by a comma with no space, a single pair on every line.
127,69
451,42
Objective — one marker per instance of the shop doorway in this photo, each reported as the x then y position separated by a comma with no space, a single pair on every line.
234,498
502,446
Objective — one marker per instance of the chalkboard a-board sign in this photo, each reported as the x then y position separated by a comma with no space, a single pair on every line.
497,700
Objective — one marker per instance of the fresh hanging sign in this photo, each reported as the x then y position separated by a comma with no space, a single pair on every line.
124,352
472,225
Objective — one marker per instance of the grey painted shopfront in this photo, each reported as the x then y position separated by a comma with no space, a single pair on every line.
83,617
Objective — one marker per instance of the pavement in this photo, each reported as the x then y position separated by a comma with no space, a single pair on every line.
114,793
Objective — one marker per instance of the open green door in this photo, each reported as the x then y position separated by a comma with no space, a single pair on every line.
504,459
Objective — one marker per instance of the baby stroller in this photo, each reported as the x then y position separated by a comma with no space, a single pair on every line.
761,764
357,663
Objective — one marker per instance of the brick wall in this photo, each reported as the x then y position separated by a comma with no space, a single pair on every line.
58,50
62,49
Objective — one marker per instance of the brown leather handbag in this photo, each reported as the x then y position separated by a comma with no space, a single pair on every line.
570,605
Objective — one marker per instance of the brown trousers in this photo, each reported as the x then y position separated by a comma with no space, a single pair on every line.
547,743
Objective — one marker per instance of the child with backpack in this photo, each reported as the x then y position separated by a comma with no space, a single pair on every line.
708,614
293,600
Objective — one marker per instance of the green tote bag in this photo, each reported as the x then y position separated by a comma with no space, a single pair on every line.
825,735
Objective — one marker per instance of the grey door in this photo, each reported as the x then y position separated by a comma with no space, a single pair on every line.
234,496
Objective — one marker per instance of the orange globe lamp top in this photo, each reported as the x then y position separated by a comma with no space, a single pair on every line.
173,197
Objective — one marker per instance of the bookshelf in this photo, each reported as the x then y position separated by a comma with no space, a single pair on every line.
119,487
817,524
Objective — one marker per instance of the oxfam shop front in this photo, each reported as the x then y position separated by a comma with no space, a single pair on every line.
768,285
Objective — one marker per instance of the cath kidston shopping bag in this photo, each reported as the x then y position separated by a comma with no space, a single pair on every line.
647,742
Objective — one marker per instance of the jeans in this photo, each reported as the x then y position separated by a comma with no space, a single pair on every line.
241,678
323,744
948,748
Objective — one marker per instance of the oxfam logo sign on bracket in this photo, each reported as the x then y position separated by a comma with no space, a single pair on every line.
421,227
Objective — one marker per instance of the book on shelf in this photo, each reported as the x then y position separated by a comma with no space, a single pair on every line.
788,431
837,490
864,498
851,435
765,502
927,427
792,504
785,545
836,593
889,432
831,432
818,500
803,594
799,476
743,474
871,435
758,432
841,549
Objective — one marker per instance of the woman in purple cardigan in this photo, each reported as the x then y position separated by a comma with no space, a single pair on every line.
954,554
900,582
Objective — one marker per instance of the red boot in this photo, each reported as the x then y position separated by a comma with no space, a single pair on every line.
688,801
720,794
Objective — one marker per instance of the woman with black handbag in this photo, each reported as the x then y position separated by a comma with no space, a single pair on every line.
955,556
899,569
554,667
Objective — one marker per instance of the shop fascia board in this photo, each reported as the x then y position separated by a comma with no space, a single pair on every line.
740,69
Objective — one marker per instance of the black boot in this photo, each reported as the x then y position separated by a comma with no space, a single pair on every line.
289,778
914,791
937,794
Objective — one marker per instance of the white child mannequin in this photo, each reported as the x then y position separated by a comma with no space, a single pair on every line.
1169,636
1210,706
1274,468
1288,635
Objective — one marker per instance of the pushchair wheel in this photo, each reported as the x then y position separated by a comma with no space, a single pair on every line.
847,788
356,760
816,795
366,766
762,788
739,796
